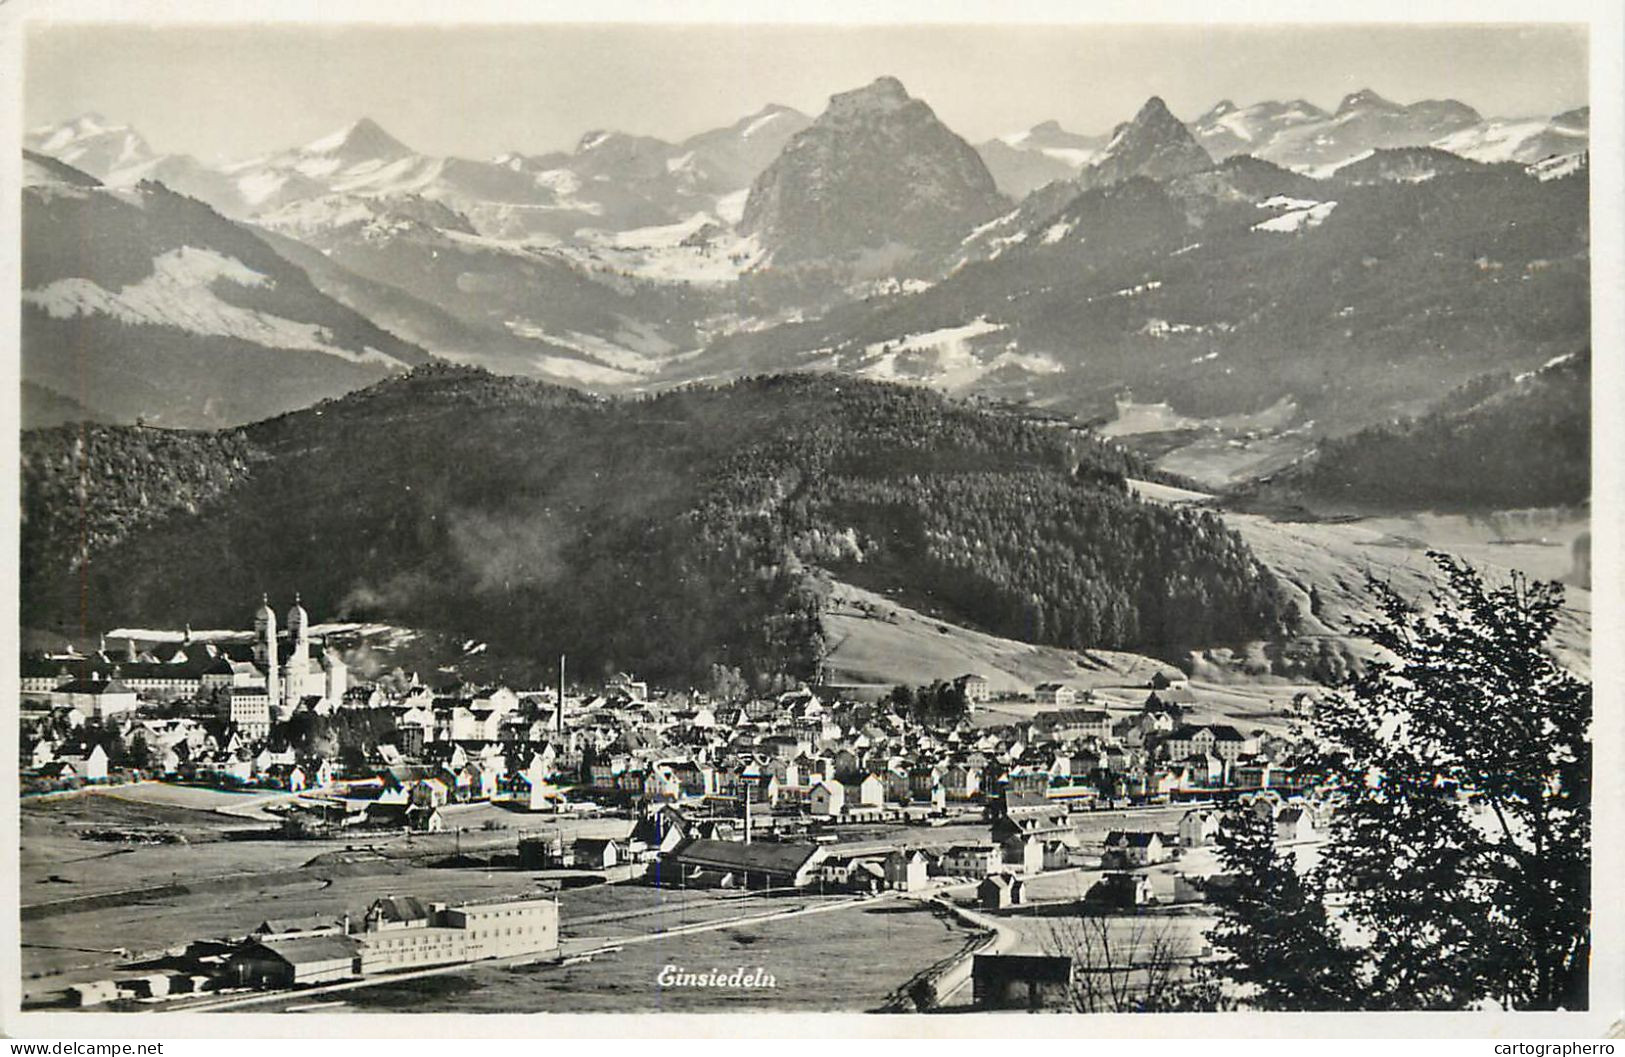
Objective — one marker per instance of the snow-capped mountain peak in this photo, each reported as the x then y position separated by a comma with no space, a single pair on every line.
92,143
1155,144
1364,99
765,117
359,140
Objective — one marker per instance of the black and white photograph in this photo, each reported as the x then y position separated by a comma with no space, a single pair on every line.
752,515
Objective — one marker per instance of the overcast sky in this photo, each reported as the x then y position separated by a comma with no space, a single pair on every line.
227,92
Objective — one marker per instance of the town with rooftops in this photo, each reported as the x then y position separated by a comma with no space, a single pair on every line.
977,804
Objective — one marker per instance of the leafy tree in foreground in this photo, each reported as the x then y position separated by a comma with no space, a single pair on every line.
1460,847
1462,838
1274,937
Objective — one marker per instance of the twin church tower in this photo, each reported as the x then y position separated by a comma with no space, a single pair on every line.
290,673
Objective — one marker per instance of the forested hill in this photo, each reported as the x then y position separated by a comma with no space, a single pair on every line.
1499,442
667,534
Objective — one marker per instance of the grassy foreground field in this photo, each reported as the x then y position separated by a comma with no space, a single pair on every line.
88,904
846,960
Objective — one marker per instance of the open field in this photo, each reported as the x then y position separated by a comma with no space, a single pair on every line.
1215,452
227,887
875,640
849,959
1334,558
86,902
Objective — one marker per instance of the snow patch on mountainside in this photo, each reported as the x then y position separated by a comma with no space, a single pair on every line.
945,358
1077,157
1287,202
1297,219
1559,167
257,187
760,123
180,293
1503,141
1326,171
1236,123
1058,231
584,371
701,250
41,179
731,206
946,336
634,350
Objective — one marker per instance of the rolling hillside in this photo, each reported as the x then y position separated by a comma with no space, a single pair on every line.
1500,442
695,528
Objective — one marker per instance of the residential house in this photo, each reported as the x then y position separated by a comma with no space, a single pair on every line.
1198,828
868,791
962,781
1131,848
88,763
599,853
248,708
1059,854
429,792
1124,891
923,782
661,830
661,784
975,688
860,873
970,860
38,752
1071,723
1023,855
1203,771
906,870
1294,824
827,799
1057,694
1001,891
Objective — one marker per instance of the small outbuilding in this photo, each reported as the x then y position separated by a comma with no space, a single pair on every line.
1000,891
1021,981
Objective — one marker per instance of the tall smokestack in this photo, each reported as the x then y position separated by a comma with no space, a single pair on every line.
558,713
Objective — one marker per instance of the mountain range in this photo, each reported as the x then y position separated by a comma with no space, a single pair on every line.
140,303
1301,136
1347,265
